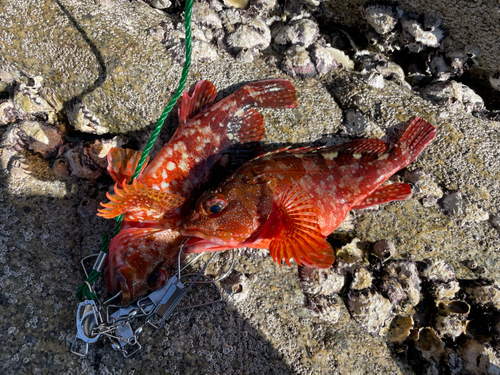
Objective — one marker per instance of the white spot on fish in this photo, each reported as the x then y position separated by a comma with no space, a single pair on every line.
356,155
230,136
164,174
184,166
239,112
197,160
171,166
164,185
330,155
383,156
156,187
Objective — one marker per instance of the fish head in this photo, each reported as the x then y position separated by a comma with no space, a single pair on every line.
227,217
141,260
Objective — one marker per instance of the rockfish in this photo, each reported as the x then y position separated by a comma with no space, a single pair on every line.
290,200
145,251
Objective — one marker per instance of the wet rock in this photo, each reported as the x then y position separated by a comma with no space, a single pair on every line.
88,207
8,112
298,63
327,308
316,281
369,309
382,17
384,249
40,138
82,118
400,328
362,279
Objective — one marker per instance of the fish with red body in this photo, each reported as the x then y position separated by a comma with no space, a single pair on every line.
145,251
289,201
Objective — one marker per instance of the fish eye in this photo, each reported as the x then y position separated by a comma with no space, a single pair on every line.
215,204
156,278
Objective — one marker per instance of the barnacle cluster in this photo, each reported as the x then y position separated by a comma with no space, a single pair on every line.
413,50
36,126
436,321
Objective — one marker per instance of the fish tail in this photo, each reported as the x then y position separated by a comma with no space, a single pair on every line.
270,93
414,140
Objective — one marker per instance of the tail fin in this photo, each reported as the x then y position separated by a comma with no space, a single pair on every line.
270,93
416,137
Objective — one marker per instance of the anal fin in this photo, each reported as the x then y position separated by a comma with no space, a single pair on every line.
384,194
122,163
297,232
140,202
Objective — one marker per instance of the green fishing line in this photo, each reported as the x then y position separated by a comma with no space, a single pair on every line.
83,291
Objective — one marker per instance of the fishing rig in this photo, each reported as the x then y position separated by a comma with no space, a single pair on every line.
123,325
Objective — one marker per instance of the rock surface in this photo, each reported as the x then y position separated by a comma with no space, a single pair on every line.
101,52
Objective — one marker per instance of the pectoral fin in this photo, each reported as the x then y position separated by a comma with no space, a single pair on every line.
141,202
384,194
122,163
297,233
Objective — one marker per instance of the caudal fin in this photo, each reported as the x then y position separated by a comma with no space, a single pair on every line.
270,93
414,140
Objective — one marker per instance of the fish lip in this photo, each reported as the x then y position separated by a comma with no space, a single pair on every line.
200,242
208,236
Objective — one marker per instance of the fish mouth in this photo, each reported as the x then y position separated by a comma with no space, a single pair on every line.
201,241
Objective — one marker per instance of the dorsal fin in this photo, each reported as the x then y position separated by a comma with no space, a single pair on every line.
203,94
141,202
294,219
122,163
384,194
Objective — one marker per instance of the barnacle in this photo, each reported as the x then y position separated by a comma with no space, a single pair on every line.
381,16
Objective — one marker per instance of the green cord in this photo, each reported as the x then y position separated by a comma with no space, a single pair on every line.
83,291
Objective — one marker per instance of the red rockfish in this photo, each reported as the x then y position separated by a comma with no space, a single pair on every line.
145,251
289,201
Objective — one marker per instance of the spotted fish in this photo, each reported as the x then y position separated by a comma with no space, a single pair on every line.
144,253
289,201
